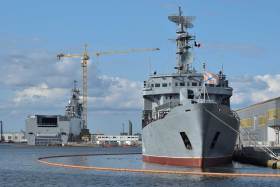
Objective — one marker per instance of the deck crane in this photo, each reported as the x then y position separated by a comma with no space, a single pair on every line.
85,56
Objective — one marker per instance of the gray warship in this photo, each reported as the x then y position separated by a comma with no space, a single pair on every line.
187,119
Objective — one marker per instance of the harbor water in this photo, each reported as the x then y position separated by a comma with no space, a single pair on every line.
19,166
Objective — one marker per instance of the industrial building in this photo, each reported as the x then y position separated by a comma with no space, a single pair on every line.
125,138
57,129
14,137
52,129
115,140
260,123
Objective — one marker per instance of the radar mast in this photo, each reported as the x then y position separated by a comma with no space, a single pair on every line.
183,38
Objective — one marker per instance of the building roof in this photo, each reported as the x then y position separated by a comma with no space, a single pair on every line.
260,103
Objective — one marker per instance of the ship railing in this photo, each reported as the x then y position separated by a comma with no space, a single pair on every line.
160,112
168,105
148,88
161,115
203,101
234,113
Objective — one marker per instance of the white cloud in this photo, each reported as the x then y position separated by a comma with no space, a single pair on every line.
38,80
21,70
238,98
120,94
39,94
117,94
254,89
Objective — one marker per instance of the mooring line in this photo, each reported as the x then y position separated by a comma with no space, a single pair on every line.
264,148
151,171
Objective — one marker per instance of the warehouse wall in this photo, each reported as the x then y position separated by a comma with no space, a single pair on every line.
258,122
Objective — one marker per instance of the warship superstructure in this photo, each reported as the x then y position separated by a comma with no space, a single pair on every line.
74,108
187,119
57,129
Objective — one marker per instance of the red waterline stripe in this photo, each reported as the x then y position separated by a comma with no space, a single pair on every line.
189,162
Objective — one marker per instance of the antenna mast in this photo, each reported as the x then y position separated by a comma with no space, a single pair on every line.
75,85
183,38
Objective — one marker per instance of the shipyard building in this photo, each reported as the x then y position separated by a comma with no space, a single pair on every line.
115,140
57,129
124,139
14,137
260,123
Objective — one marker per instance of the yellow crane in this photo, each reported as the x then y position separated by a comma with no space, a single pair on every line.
99,53
85,58
84,62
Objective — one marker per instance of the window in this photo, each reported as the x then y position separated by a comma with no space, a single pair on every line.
186,140
157,85
188,84
46,121
152,85
169,84
225,101
194,83
176,83
164,84
190,94
182,84
214,141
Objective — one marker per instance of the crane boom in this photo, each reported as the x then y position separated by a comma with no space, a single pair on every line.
85,58
61,55
124,51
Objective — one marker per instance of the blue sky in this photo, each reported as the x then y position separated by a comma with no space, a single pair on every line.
241,35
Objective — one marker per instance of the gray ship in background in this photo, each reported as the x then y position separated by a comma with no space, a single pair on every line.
57,129
187,119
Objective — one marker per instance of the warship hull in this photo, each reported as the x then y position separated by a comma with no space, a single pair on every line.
201,135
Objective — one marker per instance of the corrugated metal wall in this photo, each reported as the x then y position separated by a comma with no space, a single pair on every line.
257,119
